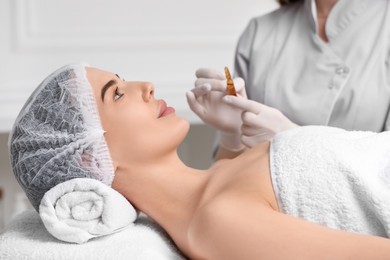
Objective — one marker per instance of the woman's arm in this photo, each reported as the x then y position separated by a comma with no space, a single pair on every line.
237,230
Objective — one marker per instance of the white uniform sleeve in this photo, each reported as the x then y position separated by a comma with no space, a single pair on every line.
243,50
387,123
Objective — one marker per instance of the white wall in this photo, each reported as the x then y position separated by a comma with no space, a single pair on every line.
162,41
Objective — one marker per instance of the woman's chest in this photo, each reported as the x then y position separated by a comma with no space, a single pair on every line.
247,175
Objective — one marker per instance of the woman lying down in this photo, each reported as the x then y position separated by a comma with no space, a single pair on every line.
311,193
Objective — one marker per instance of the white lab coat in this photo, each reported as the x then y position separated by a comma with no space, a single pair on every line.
343,83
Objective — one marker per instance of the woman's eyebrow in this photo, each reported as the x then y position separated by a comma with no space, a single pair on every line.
107,86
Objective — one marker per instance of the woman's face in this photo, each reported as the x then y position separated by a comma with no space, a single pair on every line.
137,125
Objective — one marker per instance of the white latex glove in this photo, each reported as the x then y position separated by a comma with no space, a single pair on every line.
259,122
205,99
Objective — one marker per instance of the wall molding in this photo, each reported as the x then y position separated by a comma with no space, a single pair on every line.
33,38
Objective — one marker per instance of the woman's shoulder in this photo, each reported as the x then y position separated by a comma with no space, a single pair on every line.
217,216
284,14
260,27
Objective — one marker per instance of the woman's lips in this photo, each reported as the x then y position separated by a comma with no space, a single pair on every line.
164,109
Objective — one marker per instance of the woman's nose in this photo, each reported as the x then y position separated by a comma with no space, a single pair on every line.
147,91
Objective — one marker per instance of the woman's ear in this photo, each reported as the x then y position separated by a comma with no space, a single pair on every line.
115,165
119,181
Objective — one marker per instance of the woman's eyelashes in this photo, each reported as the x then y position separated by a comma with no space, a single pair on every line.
117,94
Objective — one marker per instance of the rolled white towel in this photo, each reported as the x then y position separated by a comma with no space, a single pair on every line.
80,209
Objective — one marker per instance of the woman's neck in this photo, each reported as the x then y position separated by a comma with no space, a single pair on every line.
165,189
324,7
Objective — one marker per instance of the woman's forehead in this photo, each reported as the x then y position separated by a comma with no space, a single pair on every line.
97,74
97,77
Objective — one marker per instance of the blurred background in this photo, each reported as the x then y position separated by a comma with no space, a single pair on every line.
162,41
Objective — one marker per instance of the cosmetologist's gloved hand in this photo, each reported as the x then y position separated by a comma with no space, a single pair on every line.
205,99
259,122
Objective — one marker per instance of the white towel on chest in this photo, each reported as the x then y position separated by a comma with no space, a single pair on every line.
333,177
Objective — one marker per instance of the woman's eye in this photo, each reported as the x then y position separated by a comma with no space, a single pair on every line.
117,94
